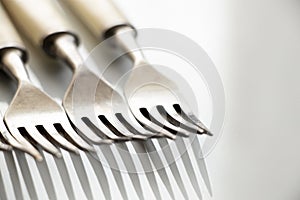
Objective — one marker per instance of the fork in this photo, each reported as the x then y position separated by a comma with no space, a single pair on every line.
32,113
104,20
97,121
3,145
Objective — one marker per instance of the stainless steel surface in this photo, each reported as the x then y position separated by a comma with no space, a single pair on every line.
167,109
65,49
31,109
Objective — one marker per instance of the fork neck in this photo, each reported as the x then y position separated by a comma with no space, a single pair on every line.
66,49
125,38
14,64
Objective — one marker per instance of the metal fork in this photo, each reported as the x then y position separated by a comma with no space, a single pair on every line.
104,20
32,113
97,122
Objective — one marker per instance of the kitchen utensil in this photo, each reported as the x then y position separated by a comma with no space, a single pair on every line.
32,112
144,93
103,19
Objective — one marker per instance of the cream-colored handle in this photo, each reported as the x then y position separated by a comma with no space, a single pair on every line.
98,15
9,38
38,19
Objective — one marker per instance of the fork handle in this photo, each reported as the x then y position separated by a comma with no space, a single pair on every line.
39,20
13,54
9,38
100,16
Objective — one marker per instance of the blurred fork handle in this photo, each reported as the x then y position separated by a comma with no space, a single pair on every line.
38,21
100,16
103,19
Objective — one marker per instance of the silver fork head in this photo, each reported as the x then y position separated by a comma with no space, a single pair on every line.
154,99
33,114
26,146
91,104
146,90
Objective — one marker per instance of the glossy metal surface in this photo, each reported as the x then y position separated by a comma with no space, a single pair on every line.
34,113
65,49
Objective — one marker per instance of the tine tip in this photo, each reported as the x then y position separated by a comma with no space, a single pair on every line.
209,133
39,158
5,147
76,151
140,137
58,155
89,148
107,141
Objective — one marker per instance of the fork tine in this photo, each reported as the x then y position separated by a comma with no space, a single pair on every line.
58,138
131,124
12,141
170,114
86,125
191,118
76,138
111,134
101,129
81,126
149,125
23,144
155,117
5,146
41,140
89,133
122,129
